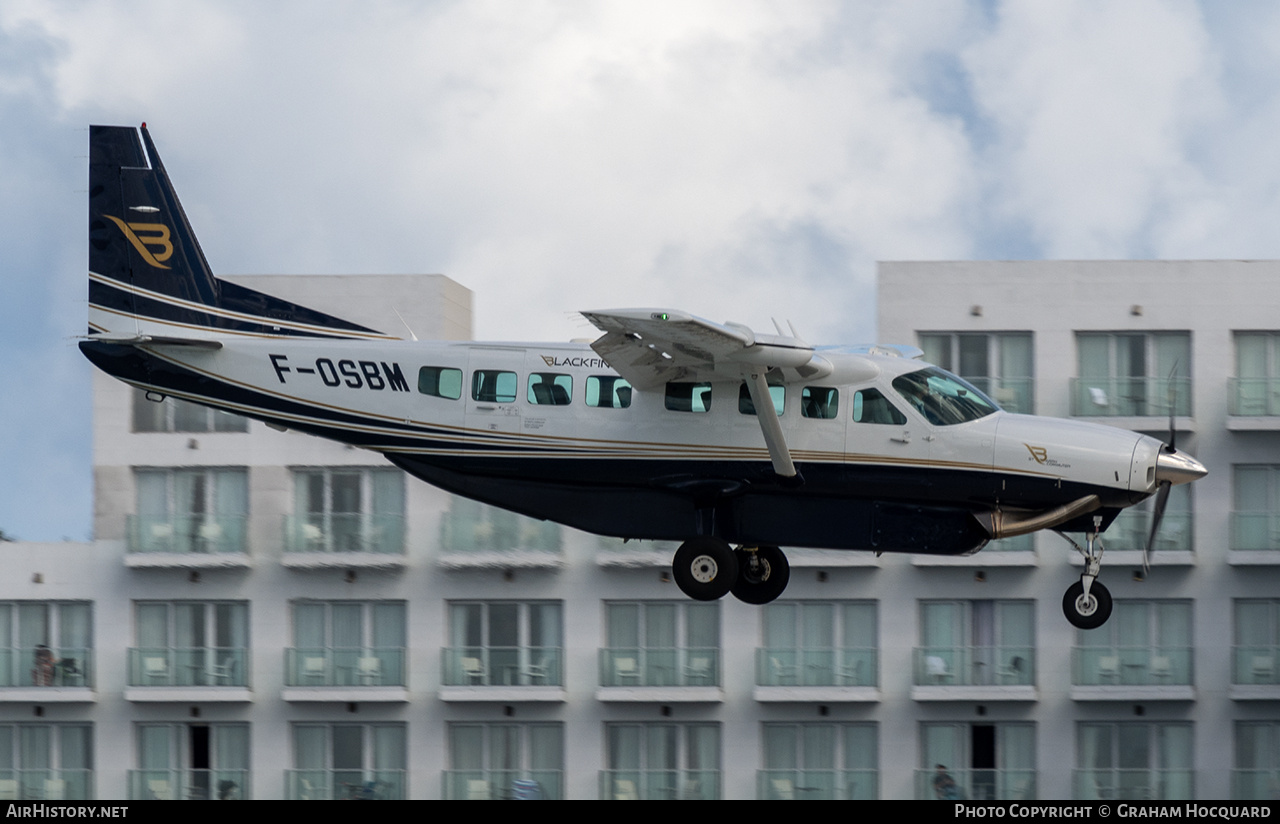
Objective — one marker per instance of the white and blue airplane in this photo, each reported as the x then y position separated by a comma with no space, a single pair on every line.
666,427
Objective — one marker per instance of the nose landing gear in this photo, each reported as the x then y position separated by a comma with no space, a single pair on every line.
707,569
1087,603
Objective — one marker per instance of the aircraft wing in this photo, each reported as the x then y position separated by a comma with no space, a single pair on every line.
650,347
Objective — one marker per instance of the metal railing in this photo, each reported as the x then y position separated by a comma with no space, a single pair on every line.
502,666
1129,397
1134,784
1139,666
185,534
659,785
660,667
62,667
975,784
356,785
503,785
817,785
344,532
801,667
189,785
188,667
974,666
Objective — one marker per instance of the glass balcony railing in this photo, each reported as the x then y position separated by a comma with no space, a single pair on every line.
1131,666
1255,785
1253,397
189,785
61,667
792,667
1255,530
1255,665
46,785
188,667
333,532
1129,397
344,667
496,530
355,785
1134,784
817,785
659,785
208,534
660,667
503,785
502,666
975,666
1132,527
1018,543
1013,394
975,784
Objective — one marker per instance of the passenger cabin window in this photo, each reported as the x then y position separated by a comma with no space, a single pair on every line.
688,397
440,382
942,398
819,402
748,407
608,392
494,386
869,406
550,389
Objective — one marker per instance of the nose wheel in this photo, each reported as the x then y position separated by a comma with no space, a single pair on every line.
707,568
1087,603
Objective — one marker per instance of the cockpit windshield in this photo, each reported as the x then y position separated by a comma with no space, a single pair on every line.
943,398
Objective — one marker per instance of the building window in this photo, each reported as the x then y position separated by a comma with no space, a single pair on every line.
655,762
1146,643
1255,519
1137,761
347,510
46,762
175,415
196,762
1256,651
504,644
190,644
977,762
967,643
1257,761
470,526
1132,374
1132,527
347,761
998,363
1256,388
819,762
814,644
661,644
505,761
347,644
46,644
190,510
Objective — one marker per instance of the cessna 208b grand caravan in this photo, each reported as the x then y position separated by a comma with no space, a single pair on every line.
666,427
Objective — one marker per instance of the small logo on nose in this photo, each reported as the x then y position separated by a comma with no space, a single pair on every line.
1038,452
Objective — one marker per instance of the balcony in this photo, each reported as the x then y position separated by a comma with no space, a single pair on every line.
503,785
1132,401
1132,674
1253,404
46,785
659,785
64,676
817,785
318,541
660,674
827,675
1255,785
188,785
976,784
502,674
1253,673
995,673
1006,552
476,537
340,785
1013,394
187,541
1134,785
345,674
188,674
1255,539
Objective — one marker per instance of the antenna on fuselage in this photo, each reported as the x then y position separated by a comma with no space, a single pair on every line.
406,325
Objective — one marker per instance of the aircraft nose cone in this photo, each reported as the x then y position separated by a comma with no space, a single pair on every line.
1178,468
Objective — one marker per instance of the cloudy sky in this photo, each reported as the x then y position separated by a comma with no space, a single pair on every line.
741,160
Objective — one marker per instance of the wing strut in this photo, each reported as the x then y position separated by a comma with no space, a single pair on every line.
767,414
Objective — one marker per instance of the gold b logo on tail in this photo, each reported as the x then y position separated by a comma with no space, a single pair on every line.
146,235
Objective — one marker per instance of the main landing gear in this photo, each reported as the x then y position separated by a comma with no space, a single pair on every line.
707,568
1087,603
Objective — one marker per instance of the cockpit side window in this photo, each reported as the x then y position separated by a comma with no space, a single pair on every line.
942,398
440,381
870,406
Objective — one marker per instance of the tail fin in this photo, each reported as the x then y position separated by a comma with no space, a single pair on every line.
147,273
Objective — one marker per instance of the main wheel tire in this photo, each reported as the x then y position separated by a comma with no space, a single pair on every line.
1087,613
768,583
704,568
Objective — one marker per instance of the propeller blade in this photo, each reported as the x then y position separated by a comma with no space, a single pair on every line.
1162,498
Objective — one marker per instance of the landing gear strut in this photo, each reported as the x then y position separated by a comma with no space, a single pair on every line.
706,569
1087,603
